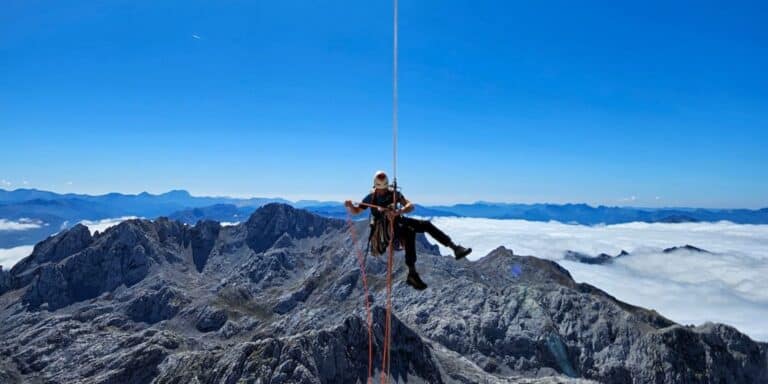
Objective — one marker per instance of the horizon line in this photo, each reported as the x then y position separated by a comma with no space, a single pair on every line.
294,201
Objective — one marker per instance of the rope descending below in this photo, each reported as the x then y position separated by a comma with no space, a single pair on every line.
368,315
385,362
390,258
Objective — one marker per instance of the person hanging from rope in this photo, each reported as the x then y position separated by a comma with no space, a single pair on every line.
381,201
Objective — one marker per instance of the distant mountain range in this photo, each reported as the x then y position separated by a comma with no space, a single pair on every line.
589,215
58,211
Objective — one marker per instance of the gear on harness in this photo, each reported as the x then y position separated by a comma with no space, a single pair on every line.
379,236
378,239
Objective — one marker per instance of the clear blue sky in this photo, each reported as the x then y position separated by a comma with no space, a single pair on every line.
654,103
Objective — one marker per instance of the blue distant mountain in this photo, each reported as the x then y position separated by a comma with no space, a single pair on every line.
337,210
58,211
115,204
589,215
219,212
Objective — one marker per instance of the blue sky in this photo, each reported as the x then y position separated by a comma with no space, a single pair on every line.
645,104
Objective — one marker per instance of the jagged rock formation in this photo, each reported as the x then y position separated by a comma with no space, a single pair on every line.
687,247
600,259
278,299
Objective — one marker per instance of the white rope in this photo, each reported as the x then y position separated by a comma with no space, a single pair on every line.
394,96
390,261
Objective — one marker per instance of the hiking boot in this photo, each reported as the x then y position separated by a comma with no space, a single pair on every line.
460,252
414,280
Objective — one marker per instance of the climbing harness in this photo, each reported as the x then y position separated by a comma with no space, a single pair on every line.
378,241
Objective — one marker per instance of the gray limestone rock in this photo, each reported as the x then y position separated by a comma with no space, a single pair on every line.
280,299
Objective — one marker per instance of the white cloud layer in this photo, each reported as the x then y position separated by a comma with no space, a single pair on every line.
10,256
102,225
727,286
21,225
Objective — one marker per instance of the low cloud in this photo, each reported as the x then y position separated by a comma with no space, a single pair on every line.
20,225
5,183
102,225
727,285
10,256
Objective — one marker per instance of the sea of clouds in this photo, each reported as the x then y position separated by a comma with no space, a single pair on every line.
10,256
729,285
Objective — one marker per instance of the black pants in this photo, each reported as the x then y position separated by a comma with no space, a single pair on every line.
407,230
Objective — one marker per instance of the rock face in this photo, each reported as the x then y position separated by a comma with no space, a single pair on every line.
270,222
5,280
153,306
278,299
52,250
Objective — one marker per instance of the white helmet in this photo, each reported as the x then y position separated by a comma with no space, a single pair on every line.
380,180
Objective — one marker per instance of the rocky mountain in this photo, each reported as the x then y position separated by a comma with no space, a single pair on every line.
604,258
601,259
278,299
687,247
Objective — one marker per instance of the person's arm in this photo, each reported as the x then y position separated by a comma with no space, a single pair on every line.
408,207
353,209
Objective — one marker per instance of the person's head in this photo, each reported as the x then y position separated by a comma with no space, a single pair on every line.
380,181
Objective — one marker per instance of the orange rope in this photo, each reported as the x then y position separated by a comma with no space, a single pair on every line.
385,360
369,317
388,324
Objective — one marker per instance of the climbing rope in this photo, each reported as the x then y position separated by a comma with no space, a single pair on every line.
391,255
394,98
368,316
388,324
385,361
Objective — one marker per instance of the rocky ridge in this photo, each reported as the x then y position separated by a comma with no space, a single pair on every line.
278,299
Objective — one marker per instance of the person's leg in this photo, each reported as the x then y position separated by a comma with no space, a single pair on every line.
408,237
426,226
422,226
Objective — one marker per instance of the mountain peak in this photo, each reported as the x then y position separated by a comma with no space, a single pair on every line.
56,248
270,222
177,193
504,264
687,247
